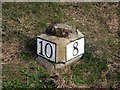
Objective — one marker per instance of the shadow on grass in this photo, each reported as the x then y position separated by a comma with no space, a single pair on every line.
31,46
27,45
29,49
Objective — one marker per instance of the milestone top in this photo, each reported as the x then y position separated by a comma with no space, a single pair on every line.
61,30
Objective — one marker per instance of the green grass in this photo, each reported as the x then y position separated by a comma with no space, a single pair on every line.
24,55
31,77
90,69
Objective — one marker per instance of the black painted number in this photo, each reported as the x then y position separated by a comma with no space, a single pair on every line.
41,48
47,45
75,50
51,53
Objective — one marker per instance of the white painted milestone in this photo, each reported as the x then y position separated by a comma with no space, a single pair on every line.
46,49
75,49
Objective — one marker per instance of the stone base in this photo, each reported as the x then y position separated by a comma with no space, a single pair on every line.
52,66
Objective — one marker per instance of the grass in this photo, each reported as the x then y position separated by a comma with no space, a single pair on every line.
31,77
22,22
90,70
24,55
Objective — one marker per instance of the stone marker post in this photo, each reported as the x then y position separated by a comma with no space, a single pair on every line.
60,44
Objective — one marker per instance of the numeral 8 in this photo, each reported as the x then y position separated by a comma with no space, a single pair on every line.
75,50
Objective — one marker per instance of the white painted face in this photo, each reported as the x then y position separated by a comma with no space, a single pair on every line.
46,49
75,49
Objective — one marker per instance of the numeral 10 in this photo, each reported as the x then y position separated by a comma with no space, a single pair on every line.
47,45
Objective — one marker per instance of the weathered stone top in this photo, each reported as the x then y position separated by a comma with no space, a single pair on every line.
61,30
